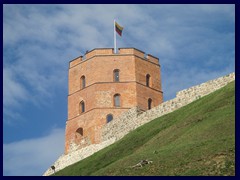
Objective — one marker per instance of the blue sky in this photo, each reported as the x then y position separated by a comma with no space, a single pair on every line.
195,43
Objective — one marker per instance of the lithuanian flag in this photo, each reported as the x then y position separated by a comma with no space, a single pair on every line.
118,28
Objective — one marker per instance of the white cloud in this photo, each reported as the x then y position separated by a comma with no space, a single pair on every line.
46,37
32,157
13,91
43,44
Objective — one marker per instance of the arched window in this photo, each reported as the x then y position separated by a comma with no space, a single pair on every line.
82,107
116,75
148,80
149,103
78,135
109,118
116,100
83,82
79,131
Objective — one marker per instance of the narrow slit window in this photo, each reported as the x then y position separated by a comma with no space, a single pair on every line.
148,80
116,75
117,100
83,82
82,107
149,103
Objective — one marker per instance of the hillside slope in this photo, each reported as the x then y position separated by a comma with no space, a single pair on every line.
198,139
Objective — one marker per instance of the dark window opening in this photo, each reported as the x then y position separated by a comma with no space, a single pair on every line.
78,135
149,103
109,118
116,75
83,82
117,100
82,107
148,80
79,131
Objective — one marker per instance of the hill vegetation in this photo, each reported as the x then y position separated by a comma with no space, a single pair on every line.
198,139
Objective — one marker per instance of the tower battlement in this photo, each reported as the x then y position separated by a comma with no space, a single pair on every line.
110,52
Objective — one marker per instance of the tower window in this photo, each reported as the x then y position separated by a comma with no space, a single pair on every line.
148,77
83,82
116,75
78,135
79,131
149,103
109,118
82,107
116,100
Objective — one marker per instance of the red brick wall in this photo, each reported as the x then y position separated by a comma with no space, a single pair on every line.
91,122
98,94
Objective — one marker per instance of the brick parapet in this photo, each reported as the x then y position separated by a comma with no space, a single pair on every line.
109,52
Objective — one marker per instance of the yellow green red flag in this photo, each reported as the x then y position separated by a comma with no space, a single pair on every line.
118,29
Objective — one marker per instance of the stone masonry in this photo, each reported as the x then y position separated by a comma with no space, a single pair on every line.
135,117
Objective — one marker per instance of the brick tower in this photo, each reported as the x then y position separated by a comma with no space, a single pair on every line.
102,85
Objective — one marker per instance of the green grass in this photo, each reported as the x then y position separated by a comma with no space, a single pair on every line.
198,139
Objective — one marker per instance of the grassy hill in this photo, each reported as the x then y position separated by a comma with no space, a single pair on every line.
198,139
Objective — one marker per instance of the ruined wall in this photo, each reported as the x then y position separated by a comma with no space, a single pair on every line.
134,117
130,120
75,156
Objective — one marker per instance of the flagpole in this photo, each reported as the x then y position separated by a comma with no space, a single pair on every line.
115,40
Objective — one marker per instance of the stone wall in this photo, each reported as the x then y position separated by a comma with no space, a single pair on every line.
75,156
132,119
